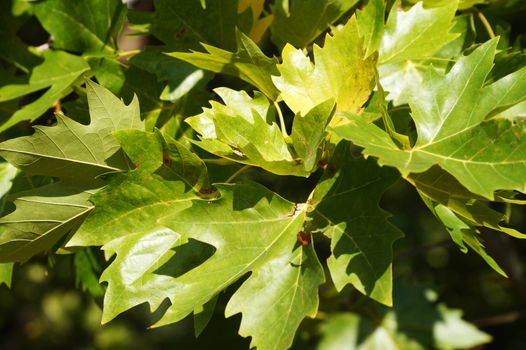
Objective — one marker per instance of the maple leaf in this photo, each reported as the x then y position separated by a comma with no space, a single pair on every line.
410,42
59,72
248,63
298,24
89,27
76,154
451,114
416,322
70,150
243,130
304,85
361,237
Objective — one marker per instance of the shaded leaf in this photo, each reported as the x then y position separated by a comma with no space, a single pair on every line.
43,216
185,23
6,274
58,72
443,188
181,77
259,23
299,23
247,63
449,113
414,323
308,133
346,210
89,27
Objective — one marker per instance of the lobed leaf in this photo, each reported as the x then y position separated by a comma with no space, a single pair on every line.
73,151
449,113
88,27
345,208
298,24
58,72
304,85
247,63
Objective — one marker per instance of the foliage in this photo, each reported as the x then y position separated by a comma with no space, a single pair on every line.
263,197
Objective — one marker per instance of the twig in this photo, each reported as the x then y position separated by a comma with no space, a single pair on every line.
237,173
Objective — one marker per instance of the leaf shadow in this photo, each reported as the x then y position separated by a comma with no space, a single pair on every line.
187,257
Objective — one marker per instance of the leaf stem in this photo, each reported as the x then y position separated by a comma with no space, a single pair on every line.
485,23
128,53
219,161
388,123
281,120
237,173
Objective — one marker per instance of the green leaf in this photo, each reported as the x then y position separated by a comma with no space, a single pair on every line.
462,4
87,270
247,228
462,233
416,33
203,315
247,63
242,130
128,82
443,188
304,85
415,323
371,25
131,276
154,151
181,77
185,23
6,274
136,198
299,23
288,298
58,72
308,133
449,113
7,174
346,210
410,41
12,49
89,27
43,216
70,150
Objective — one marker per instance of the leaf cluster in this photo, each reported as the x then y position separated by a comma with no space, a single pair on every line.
230,102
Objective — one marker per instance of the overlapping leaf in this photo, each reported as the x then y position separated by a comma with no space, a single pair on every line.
76,154
409,42
189,249
186,23
247,63
58,72
74,151
346,209
449,112
441,187
299,23
88,27
42,217
341,72
243,130
259,23
414,323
